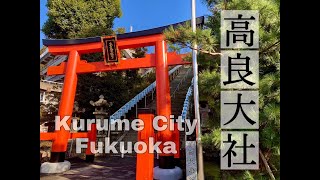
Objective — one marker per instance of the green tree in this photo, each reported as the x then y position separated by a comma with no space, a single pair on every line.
121,30
80,18
209,77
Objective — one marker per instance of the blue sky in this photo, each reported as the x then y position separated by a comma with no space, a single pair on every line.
145,14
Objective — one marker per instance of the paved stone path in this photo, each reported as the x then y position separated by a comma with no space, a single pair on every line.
110,168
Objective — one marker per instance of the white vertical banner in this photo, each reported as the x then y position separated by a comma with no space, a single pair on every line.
240,85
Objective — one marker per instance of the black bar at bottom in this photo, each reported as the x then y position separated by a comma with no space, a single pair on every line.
57,157
166,162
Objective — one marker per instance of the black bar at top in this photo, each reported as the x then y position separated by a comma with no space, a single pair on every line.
159,30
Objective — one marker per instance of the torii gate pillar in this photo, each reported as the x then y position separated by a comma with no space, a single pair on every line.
163,100
59,145
166,169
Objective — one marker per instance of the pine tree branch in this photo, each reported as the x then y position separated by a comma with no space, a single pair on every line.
273,167
266,165
265,50
201,50
225,4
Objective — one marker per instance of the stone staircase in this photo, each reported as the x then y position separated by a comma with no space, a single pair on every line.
177,95
178,88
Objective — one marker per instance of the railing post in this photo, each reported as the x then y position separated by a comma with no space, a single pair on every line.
122,149
145,101
44,97
152,94
137,110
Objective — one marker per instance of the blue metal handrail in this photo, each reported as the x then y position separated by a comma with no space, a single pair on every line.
186,102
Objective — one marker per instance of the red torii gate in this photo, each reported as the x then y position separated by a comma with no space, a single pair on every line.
74,66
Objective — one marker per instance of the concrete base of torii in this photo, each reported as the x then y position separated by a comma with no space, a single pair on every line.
167,174
57,167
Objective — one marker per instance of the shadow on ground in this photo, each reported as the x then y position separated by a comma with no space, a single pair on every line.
111,168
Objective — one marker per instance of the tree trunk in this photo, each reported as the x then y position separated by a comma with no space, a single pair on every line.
266,165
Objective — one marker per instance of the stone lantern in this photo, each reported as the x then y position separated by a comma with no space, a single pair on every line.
100,112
